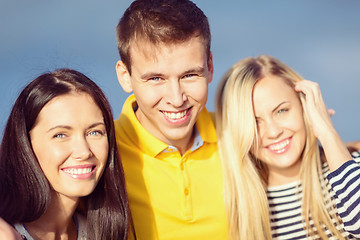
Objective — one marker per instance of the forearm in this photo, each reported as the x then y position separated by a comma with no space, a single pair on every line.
345,182
335,150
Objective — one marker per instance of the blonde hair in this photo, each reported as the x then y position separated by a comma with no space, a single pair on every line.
245,177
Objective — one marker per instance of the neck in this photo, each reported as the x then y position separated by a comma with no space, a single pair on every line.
57,221
278,177
184,144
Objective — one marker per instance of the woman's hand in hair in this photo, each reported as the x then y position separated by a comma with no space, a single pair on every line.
319,117
318,113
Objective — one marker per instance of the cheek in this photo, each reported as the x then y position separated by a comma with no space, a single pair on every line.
297,126
260,132
50,158
302,132
148,96
197,91
101,150
297,123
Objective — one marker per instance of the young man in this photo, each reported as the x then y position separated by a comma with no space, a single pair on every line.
166,137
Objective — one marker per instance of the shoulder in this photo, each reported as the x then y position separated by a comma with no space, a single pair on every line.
212,116
356,156
125,124
127,119
206,126
8,232
81,223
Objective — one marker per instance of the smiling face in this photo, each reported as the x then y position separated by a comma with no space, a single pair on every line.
70,142
171,88
281,128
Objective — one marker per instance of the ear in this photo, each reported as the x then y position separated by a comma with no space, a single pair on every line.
123,76
210,67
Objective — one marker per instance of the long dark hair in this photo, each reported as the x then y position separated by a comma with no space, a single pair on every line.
25,191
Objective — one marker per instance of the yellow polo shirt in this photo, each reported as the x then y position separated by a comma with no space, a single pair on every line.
172,196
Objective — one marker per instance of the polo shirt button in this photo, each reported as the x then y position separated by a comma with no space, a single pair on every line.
182,167
186,191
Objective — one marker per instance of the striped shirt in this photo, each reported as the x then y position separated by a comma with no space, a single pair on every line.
344,187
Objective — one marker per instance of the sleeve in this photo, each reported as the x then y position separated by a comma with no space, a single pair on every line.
345,182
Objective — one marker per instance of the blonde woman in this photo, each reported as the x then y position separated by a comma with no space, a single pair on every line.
269,121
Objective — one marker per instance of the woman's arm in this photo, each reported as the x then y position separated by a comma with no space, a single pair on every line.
345,182
335,150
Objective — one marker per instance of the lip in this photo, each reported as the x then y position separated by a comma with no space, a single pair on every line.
85,171
177,117
280,147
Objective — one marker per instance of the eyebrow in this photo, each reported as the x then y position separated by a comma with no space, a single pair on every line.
151,74
59,126
196,70
69,128
97,124
278,106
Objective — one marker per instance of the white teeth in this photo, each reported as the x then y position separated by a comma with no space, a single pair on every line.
175,116
77,171
279,146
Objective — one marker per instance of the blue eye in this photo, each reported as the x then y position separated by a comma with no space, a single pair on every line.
189,75
96,133
59,135
283,110
155,79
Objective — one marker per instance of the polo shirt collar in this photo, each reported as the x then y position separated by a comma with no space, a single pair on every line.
198,142
204,130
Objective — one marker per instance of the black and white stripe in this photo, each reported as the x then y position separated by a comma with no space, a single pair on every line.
285,203
345,182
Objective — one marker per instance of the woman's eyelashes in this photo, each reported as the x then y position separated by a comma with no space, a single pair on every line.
282,111
96,133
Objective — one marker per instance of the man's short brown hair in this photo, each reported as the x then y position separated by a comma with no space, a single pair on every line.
160,22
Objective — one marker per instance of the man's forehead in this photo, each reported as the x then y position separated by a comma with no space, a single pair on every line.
145,49
151,50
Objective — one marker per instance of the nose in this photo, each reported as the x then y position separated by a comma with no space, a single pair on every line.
81,148
273,129
175,93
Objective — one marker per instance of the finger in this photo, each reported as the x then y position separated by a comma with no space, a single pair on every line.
311,90
331,112
307,89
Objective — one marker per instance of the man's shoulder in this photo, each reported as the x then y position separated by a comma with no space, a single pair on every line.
206,126
212,116
126,121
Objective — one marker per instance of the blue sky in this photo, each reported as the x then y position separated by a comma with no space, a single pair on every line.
319,39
